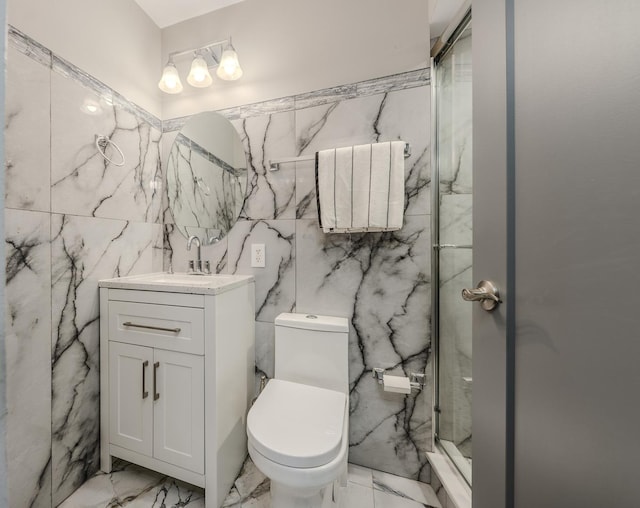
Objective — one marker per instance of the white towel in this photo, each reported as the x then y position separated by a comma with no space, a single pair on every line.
361,188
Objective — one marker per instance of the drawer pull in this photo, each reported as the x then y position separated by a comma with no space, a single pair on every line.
156,395
149,327
145,393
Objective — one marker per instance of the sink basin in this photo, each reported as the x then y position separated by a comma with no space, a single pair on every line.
186,278
178,282
183,279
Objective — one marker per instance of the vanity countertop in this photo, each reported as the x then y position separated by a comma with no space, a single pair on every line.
178,282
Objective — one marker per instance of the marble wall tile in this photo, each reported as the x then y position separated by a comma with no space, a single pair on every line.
376,279
157,248
275,284
395,82
396,115
84,250
3,434
82,181
54,261
326,96
173,125
28,357
441,493
411,79
68,70
267,107
27,133
455,348
28,47
177,254
380,282
265,348
106,222
165,149
456,219
455,136
306,197
270,194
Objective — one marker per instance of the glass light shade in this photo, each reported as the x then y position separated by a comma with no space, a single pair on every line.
199,74
170,80
229,68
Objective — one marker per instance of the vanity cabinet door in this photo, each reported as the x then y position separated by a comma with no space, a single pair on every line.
131,398
179,409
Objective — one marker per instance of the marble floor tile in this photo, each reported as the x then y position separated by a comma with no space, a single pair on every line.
132,486
358,496
405,488
97,492
360,476
386,500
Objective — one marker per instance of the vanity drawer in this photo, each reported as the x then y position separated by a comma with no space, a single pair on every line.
159,326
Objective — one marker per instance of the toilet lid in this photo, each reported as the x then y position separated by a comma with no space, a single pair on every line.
297,425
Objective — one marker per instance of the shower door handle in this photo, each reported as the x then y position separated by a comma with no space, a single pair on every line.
486,293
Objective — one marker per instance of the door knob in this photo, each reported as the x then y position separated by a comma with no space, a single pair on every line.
486,293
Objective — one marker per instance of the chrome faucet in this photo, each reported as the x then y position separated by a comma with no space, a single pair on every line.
195,267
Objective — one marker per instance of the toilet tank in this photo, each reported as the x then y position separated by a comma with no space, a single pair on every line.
313,350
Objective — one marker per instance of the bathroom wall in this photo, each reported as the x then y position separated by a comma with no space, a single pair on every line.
114,41
289,47
71,219
321,76
379,281
3,359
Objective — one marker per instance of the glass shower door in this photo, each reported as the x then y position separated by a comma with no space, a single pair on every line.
452,231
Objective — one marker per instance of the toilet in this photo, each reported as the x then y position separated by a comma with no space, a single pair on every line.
298,427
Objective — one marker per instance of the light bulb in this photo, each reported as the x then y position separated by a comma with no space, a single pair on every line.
170,80
229,68
199,74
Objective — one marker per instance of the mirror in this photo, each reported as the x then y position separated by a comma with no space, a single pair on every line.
206,177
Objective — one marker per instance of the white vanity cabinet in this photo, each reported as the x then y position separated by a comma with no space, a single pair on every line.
176,377
156,404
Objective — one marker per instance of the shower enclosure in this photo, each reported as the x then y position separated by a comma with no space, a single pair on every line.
452,244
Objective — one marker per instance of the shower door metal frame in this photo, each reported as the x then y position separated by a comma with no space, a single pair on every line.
435,223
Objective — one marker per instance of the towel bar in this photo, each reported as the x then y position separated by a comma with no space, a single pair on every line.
274,164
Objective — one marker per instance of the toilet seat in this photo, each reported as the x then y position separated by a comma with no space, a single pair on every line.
297,425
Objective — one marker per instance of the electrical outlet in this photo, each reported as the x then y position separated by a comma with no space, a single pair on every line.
258,255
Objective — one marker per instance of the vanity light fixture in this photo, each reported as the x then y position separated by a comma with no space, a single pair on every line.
229,68
220,54
199,74
170,80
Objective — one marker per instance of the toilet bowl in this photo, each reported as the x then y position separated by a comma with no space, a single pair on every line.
298,437
298,427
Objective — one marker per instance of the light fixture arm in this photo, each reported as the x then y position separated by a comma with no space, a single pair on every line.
181,53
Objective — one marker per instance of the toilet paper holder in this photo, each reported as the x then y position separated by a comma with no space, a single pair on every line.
416,380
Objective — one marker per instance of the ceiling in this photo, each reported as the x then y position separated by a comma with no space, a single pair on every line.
165,13
443,12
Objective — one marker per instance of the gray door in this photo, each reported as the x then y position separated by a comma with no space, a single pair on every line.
556,415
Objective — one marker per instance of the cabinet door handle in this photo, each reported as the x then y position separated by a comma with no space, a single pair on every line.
156,395
145,393
149,327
